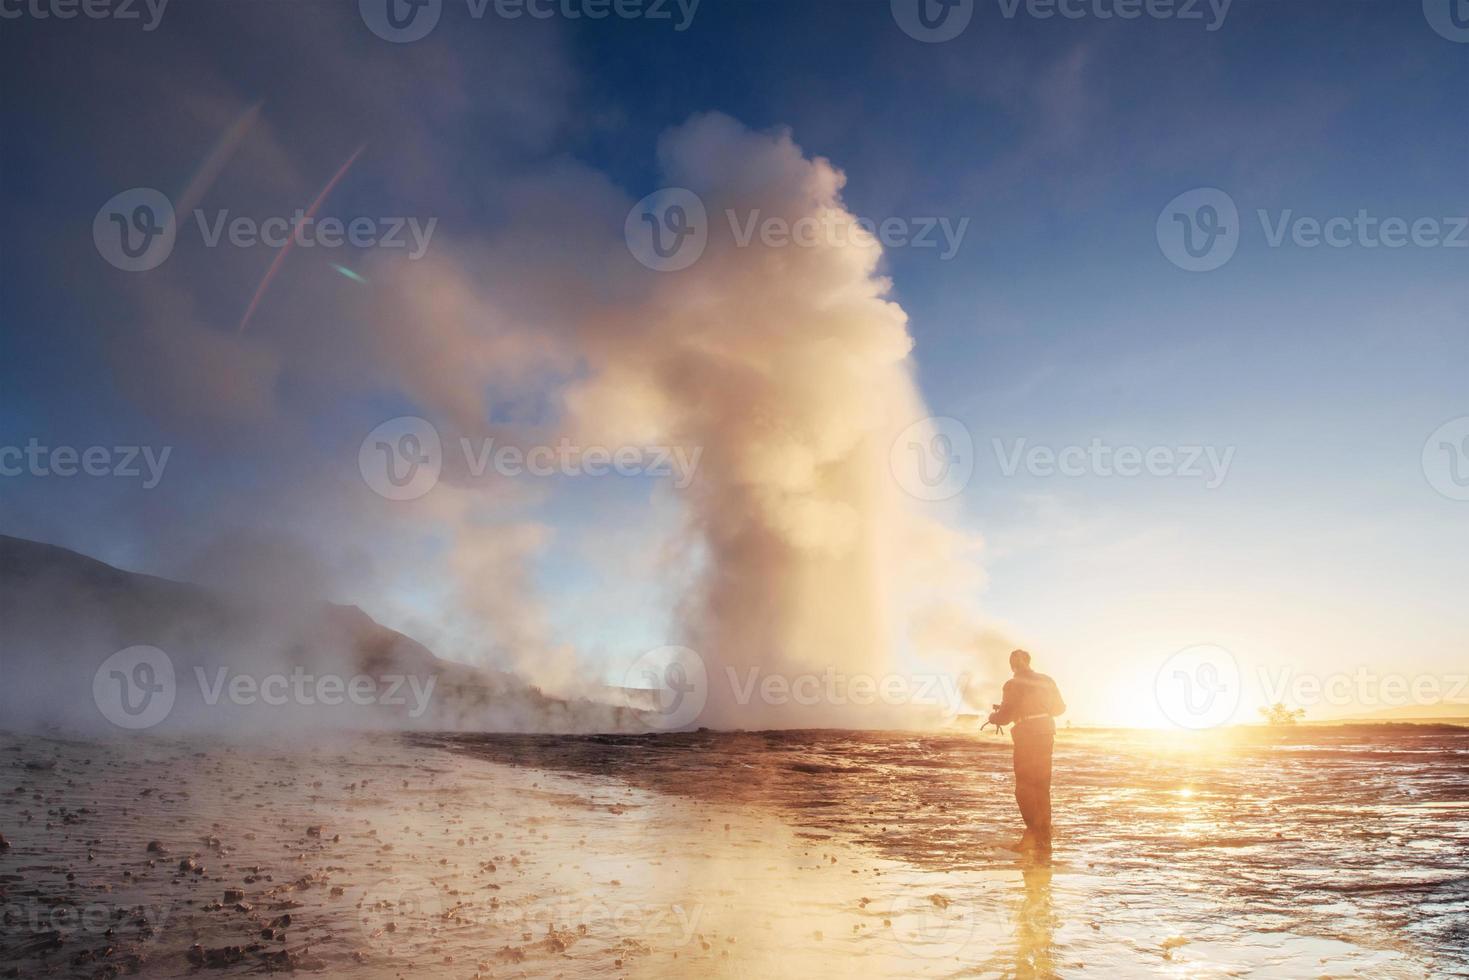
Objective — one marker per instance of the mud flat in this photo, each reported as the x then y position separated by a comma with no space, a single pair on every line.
381,856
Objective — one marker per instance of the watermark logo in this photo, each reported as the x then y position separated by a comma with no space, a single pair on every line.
135,229
135,688
1446,459
667,230
933,459
932,21
138,687
400,21
931,926
1450,18
401,902
402,458
677,683
1199,687
1199,230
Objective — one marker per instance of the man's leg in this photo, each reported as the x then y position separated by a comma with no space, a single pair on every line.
1041,769
1025,782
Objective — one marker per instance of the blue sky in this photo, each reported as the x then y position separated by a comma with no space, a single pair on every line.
1059,319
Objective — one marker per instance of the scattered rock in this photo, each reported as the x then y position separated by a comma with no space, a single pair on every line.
216,958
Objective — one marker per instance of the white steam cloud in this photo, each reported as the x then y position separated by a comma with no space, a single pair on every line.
788,369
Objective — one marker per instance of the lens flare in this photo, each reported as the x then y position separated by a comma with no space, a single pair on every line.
280,258
349,273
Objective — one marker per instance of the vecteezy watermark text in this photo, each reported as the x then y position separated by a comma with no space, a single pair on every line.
148,12
410,901
308,689
835,687
669,230
569,459
306,231
403,458
934,459
1202,687
137,229
828,230
1200,230
934,21
1211,12
126,462
87,918
670,686
1364,230
405,21
1096,458
1362,688
137,688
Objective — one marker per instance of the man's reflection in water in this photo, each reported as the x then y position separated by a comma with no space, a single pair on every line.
1035,923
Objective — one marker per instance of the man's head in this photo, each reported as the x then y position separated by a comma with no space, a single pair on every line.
1019,660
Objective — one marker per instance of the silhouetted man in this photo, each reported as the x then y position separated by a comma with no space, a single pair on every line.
1031,701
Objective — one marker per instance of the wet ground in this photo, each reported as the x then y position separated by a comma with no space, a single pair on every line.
1306,838
809,854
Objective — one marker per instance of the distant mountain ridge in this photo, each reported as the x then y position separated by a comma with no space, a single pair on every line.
63,613
1428,713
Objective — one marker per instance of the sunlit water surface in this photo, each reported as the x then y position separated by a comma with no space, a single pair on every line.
1306,853
1328,836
